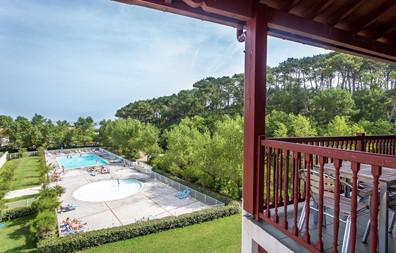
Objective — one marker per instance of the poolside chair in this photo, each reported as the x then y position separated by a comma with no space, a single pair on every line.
179,193
183,195
67,208
68,230
329,187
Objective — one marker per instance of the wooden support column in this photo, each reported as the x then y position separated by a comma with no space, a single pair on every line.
254,105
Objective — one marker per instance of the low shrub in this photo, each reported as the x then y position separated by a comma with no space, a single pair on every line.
44,224
72,243
17,213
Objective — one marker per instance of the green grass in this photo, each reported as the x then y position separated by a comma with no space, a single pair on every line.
27,172
15,237
218,236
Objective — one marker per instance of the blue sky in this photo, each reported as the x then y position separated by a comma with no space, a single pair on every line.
65,59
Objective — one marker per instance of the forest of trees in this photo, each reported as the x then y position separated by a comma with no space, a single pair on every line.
42,132
319,87
197,134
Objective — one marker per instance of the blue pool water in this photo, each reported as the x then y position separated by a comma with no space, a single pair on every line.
77,161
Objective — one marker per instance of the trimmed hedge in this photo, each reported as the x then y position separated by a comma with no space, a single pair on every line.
72,243
212,194
17,213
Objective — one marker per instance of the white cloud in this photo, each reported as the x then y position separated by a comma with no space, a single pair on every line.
70,58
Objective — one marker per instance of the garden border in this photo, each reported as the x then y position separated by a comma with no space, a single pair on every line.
72,243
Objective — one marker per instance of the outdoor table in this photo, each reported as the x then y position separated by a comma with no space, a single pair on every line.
386,180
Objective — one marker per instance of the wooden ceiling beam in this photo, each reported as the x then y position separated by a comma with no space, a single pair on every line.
232,16
349,7
388,37
372,17
314,11
281,22
290,5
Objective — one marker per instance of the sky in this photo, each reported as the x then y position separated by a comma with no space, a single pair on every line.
65,59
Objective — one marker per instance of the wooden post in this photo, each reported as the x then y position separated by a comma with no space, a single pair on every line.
254,104
361,142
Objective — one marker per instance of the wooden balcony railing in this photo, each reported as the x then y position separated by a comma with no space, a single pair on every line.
281,187
379,144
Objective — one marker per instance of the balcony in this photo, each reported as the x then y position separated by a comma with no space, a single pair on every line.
318,194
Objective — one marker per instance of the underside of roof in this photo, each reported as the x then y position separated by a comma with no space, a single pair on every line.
362,27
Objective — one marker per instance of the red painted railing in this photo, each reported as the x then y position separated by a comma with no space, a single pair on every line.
379,144
281,188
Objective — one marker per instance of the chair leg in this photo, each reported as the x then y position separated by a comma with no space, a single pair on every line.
302,218
366,232
345,241
392,224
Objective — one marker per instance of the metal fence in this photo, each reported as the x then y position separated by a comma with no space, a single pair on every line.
193,193
11,156
20,203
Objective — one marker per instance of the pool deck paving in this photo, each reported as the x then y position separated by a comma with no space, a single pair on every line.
155,200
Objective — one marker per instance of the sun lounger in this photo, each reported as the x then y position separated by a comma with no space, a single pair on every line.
183,194
67,208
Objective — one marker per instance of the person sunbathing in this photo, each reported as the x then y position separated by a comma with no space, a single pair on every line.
74,223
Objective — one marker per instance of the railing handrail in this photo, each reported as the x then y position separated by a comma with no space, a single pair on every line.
313,138
331,138
348,155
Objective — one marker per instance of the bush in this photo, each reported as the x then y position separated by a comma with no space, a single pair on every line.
59,190
17,213
22,152
44,225
81,241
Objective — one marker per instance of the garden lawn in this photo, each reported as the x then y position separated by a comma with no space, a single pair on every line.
15,237
218,236
27,172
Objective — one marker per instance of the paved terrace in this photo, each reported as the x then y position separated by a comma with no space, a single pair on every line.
154,200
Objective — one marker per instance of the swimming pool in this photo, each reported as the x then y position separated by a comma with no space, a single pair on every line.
80,161
108,190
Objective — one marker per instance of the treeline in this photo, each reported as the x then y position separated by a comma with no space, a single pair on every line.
42,132
318,87
197,134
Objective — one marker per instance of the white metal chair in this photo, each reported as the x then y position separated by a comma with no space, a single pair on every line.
329,188
391,206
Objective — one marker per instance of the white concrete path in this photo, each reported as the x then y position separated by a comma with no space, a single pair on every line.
22,192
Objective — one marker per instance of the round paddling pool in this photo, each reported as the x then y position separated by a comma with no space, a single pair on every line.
108,190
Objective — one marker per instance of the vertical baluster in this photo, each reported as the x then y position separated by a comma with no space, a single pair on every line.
296,189
381,146
268,184
308,166
376,172
260,180
337,165
319,243
286,188
355,170
301,183
276,186
280,175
